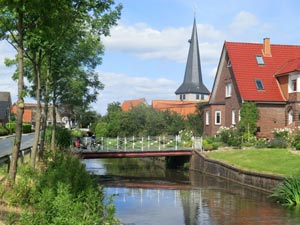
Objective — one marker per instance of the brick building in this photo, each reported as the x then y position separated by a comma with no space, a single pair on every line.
30,113
264,73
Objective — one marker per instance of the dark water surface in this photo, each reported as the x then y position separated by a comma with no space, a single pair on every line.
145,194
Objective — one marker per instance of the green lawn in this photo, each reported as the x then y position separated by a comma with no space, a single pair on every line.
272,161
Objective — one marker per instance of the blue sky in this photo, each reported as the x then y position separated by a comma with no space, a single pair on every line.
146,53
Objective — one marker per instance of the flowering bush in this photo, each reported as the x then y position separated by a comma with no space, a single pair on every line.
230,136
283,133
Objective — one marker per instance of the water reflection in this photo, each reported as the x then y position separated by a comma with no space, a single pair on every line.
198,199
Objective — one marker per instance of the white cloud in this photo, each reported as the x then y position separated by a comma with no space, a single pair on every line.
120,87
170,43
243,21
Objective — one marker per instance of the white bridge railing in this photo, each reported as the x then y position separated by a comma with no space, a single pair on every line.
140,143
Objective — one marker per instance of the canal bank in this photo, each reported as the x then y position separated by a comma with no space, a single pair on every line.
145,194
263,182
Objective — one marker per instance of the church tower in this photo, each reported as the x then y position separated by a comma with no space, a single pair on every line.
192,88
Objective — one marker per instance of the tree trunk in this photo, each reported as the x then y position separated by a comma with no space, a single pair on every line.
20,105
37,118
44,121
54,123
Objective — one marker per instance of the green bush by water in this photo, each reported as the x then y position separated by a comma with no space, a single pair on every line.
287,192
64,193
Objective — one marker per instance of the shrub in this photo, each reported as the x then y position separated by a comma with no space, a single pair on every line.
287,192
230,136
277,143
297,147
65,193
283,134
3,131
76,133
261,143
11,127
26,128
63,137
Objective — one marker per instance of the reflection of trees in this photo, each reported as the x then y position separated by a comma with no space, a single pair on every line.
133,167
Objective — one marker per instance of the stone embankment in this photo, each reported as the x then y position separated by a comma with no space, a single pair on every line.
264,182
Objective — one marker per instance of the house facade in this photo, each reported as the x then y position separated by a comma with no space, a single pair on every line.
5,106
266,74
30,113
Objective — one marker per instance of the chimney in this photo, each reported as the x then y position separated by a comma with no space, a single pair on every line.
267,48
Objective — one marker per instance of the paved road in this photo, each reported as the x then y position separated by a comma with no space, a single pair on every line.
6,143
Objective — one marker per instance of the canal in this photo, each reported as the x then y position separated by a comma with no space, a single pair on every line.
145,194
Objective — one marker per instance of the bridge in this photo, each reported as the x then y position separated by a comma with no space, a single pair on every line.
136,147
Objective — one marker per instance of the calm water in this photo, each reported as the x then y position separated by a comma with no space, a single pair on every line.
148,195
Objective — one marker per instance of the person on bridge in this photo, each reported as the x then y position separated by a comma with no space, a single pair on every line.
77,143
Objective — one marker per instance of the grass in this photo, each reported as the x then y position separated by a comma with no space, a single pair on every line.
271,161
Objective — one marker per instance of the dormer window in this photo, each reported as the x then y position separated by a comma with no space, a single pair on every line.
259,84
260,60
293,83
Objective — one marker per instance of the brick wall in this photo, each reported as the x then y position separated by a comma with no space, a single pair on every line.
270,116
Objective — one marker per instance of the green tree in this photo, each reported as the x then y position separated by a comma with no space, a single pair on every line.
13,29
196,121
249,116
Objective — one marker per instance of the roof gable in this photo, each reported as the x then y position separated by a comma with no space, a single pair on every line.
129,104
246,70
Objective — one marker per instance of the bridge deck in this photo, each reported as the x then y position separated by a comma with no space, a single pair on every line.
132,154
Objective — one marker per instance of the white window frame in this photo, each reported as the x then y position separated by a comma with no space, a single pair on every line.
228,90
292,79
290,116
216,117
233,116
207,118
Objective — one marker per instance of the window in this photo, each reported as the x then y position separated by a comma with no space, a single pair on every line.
182,97
233,114
217,117
197,96
290,116
228,90
260,60
207,118
294,85
259,85
228,63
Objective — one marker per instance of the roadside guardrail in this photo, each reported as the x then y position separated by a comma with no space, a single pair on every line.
7,158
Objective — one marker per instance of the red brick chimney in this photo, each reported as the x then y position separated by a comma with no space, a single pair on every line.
267,48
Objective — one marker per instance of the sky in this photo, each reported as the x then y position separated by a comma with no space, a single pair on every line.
145,54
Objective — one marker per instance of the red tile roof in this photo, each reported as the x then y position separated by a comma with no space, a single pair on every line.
290,66
246,69
129,104
183,108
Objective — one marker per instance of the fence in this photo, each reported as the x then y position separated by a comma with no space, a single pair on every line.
7,158
142,143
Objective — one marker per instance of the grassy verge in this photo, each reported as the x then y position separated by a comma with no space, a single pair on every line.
60,192
271,161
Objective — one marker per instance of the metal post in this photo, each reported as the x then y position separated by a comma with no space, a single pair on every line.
158,142
148,142
125,140
132,142
176,142
142,143
117,142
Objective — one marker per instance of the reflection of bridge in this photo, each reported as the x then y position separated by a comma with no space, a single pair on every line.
138,147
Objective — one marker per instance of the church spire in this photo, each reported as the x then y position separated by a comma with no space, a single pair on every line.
192,84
